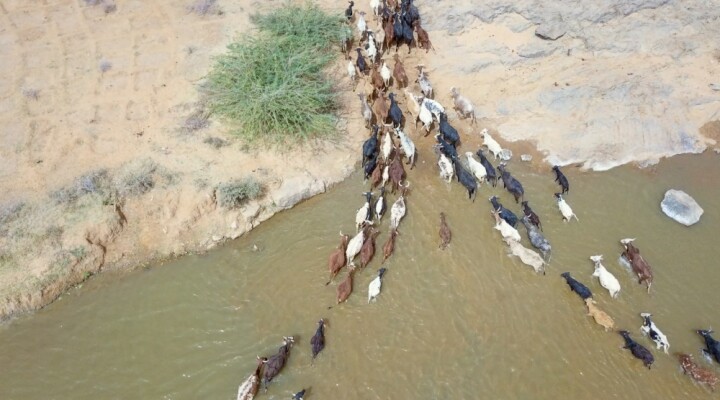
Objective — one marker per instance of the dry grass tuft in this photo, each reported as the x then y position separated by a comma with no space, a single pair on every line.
233,194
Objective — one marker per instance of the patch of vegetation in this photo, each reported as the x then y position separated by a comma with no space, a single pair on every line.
9,213
204,7
94,182
105,66
273,85
215,142
196,121
140,176
233,194
31,93
108,5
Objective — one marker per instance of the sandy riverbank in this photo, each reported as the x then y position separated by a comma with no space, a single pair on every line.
87,91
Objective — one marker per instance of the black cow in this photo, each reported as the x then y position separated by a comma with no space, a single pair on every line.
491,174
465,178
561,179
449,133
505,214
511,184
637,350
576,286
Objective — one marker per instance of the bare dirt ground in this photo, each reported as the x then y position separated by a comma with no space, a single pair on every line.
89,93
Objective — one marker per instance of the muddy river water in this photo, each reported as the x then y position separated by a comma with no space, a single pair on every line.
465,323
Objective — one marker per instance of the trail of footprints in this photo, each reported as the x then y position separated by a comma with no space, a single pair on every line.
382,164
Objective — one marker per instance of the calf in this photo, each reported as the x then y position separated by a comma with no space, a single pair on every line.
449,133
505,214
649,328
465,178
511,184
712,345
637,262
561,179
445,233
489,169
601,318
576,286
696,372
637,349
536,238
532,217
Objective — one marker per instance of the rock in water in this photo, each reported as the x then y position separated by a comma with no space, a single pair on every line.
679,206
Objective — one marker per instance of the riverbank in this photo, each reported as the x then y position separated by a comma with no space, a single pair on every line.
97,94
109,158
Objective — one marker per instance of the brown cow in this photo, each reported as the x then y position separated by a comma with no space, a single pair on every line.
368,249
337,258
423,38
376,176
399,73
696,372
397,171
381,108
639,265
377,80
345,287
389,246
445,234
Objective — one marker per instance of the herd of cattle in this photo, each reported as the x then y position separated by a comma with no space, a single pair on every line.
382,161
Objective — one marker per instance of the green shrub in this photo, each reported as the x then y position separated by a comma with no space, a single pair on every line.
233,194
273,85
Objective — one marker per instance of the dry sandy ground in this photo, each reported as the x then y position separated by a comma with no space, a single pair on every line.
82,90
